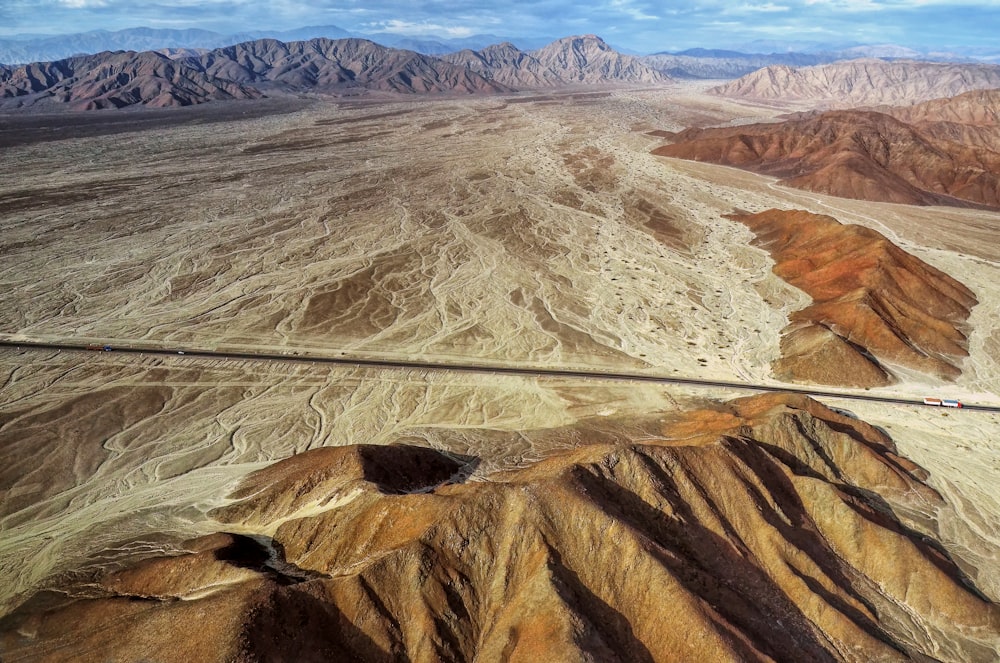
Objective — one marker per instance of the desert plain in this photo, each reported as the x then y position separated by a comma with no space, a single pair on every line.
528,230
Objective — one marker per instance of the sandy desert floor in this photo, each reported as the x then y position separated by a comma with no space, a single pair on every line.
530,230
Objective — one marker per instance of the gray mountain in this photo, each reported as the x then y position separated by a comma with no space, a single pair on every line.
588,59
506,64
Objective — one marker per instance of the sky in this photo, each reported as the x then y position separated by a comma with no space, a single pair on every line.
643,26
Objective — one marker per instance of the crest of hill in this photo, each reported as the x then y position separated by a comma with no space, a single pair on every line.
771,528
874,305
864,155
865,82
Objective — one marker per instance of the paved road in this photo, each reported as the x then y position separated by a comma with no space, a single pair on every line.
475,368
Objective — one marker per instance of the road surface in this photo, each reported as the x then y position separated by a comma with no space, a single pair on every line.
471,368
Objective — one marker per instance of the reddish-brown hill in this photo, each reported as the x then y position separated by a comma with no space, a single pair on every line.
970,119
854,154
874,305
765,530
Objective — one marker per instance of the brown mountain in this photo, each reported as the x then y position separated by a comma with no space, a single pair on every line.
768,529
114,80
855,154
874,305
863,82
588,59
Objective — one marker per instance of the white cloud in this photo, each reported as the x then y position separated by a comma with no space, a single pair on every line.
423,28
83,4
633,12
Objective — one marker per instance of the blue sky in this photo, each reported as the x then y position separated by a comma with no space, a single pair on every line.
640,25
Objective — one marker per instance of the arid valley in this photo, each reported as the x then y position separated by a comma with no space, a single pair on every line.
511,229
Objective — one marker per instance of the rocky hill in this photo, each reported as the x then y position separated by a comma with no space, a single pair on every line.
864,82
874,305
771,528
854,154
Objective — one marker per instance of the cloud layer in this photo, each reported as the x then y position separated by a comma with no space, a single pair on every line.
641,25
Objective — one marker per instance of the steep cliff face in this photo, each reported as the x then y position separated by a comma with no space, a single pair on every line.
771,528
874,305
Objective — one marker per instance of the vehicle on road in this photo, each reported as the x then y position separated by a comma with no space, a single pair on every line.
942,402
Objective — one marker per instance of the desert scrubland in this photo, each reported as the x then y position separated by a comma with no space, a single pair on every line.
528,230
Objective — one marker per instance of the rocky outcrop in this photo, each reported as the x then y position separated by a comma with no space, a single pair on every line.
865,82
874,305
854,154
771,528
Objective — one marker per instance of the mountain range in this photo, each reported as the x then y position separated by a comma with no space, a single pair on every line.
346,66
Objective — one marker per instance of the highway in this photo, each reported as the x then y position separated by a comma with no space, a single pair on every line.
363,362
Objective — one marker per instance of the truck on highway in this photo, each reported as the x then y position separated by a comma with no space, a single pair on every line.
943,402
